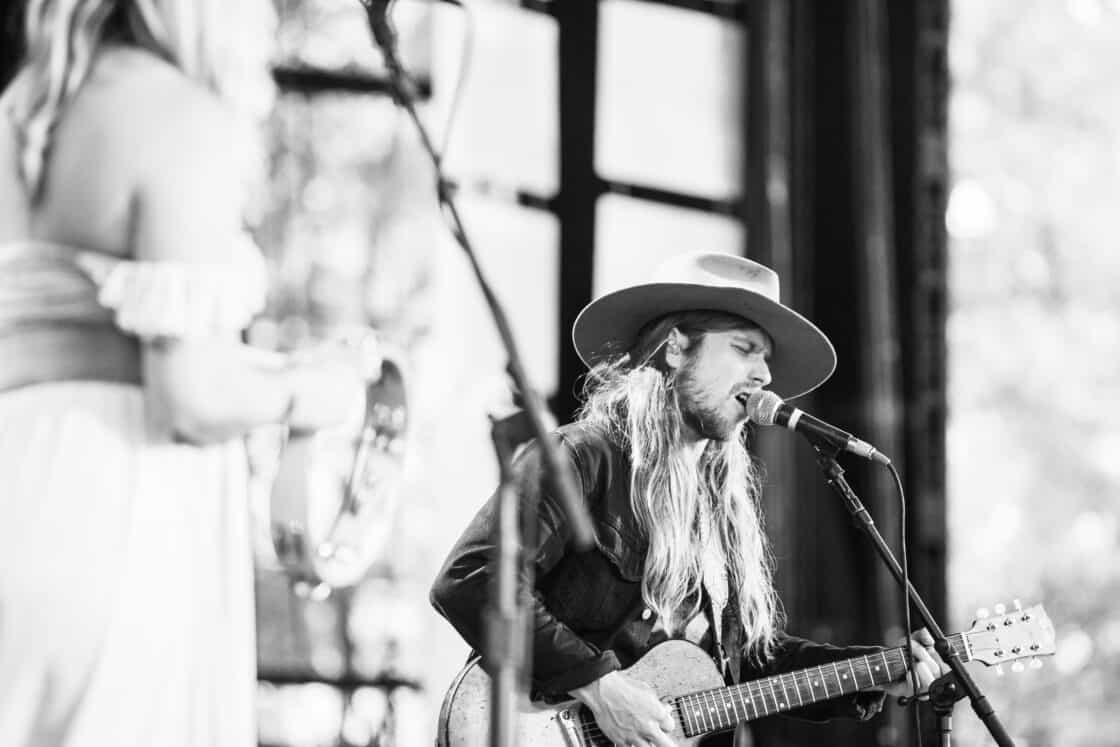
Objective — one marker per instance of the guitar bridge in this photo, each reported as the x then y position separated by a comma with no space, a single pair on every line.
571,724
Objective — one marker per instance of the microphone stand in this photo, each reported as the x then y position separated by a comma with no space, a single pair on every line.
834,476
506,617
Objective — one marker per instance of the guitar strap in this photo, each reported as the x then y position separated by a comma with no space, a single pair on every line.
730,635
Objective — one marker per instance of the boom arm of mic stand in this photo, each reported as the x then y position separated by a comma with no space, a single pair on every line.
583,536
834,476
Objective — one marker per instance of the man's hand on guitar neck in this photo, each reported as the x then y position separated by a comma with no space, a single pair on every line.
628,711
927,665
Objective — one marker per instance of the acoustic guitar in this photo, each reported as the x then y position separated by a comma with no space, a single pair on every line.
687,679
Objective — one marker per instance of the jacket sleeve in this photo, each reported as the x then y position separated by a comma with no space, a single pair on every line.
792,653
560,659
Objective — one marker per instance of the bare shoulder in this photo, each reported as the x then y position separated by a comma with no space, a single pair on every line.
179,145
156,108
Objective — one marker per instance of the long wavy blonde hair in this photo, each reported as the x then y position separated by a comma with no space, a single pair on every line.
633,399
223,45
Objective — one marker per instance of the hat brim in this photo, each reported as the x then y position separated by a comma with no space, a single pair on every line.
802,359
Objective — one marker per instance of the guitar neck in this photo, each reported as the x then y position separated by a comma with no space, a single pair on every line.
722,708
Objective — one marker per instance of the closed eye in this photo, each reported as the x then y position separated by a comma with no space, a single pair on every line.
749,350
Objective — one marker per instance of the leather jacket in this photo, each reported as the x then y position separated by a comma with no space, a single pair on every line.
588,616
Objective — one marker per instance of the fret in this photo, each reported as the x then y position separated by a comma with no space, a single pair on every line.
836,674
729,711
797,689
713,708
746,711
886,668
685,712
750,687
695,708
809,681
721,709
852,668
773,695
737,691
898,668
867,668
824,682
705,713
785,693
726,719
731,716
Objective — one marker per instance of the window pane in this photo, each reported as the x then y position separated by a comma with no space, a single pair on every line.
633,236
670,98
334,35
505,132
518,249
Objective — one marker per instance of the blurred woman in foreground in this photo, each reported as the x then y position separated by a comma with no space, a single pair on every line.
126,593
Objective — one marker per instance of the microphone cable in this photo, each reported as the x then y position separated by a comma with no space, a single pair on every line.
905,553
466,59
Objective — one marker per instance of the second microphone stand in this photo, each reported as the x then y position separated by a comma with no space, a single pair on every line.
834,476
506,615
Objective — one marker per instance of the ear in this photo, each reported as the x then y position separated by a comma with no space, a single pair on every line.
675,345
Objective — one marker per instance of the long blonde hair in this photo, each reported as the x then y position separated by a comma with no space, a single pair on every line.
222,45
631,397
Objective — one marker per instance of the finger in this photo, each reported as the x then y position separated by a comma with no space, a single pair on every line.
924,658
925,654
924,637
661,739
668,719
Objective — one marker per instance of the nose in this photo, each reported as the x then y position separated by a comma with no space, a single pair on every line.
759,372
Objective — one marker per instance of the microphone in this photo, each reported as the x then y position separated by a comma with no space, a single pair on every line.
767,408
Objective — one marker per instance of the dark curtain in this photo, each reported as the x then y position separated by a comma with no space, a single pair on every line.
11,39
846,184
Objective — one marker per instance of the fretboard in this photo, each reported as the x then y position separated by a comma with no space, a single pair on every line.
720,709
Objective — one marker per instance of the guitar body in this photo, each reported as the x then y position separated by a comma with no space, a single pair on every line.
672,668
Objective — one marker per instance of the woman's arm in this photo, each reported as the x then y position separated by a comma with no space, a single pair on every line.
187,209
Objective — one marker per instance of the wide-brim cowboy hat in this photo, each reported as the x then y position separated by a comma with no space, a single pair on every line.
802,357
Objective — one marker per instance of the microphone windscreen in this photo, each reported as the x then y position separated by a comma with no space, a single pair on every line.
762,407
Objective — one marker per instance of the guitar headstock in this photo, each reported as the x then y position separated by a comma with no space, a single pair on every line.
1010,636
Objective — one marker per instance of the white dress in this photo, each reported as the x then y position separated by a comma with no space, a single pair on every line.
126,591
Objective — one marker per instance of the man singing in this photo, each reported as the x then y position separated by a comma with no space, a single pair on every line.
659,454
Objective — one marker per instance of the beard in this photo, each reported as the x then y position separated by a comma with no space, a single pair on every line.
702,416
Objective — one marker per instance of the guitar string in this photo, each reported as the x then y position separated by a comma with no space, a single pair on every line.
725,696
591,729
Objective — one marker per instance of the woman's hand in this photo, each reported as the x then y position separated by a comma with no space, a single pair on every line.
330,381
358,348
628,711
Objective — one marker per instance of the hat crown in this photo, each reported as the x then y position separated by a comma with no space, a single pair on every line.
720,270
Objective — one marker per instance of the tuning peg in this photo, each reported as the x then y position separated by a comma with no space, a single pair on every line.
1000,608
982,613
1017,667
1017,605
1036,663
999,670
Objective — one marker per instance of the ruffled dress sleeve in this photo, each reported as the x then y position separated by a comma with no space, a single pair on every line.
182,300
